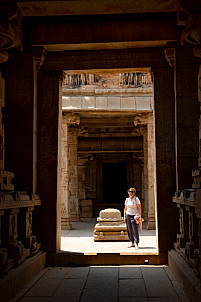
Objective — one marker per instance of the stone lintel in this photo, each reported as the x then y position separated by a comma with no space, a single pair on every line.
161,31
106,59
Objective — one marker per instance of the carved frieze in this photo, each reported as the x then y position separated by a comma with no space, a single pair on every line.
191,14
71,119
10,31
141,119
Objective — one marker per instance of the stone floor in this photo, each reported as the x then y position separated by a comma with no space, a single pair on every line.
103,283
80,239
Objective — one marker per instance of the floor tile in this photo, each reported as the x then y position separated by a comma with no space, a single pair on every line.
99,295
164,299
136,299
132,288
70,288
57,272
35,299
64,299
77,273
44,288
130,272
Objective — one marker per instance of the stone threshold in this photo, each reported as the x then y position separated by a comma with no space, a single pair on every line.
15,279
64,258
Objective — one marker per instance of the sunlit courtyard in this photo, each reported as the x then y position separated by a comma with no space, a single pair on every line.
80,240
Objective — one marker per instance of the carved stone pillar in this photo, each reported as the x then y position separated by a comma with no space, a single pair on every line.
145,185
2,105
25,230
149,166
165,155
65,211
186,117
71,182
48,227
21,118
151,173
14,247
73,174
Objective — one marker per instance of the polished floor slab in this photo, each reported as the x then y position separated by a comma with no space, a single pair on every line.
104,283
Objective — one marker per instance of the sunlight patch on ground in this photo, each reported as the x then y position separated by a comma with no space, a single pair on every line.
80,240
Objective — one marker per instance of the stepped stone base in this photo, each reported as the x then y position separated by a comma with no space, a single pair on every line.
110,226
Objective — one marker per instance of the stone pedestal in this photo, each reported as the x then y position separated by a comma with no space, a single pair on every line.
110,226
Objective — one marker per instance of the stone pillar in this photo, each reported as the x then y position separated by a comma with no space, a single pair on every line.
72,165
48,228
151,173
186,115
73,174
82,163
65,213
145,191
2,137
164,118
21,117
19,95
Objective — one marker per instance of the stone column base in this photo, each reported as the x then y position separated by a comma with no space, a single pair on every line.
151,223
75,217
66,224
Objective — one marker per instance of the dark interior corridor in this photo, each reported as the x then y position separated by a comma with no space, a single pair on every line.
114,182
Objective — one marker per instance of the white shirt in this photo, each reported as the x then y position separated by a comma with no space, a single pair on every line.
131,204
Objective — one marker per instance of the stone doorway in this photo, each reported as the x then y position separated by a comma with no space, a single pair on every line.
114,180
107,142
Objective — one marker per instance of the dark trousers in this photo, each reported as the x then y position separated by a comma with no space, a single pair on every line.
132,229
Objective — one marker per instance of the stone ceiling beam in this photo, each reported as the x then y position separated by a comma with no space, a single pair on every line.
101,32
107,59
93,7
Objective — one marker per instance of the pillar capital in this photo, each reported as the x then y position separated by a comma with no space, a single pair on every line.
170,55
71,119
39,58
10,30
191,15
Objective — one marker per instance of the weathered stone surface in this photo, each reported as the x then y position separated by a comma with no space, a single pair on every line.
110,213
110,226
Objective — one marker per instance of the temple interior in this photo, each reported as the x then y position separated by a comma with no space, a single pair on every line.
97,97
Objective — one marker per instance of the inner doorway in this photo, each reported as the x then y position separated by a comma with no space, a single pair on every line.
114,182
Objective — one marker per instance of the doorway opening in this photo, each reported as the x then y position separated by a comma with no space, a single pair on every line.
114,179
107,146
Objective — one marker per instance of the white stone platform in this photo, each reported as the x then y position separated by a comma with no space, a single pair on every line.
80,240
